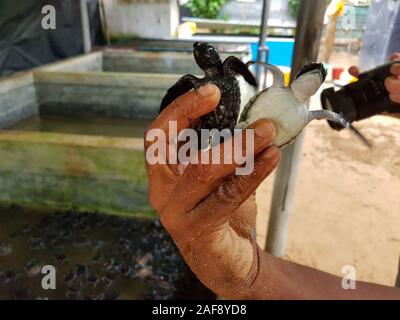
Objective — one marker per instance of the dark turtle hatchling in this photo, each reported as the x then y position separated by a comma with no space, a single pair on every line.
223,75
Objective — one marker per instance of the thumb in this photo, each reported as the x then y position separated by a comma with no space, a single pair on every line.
187,108
197,103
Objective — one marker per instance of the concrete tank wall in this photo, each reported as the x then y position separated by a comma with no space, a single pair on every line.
17,99
111,95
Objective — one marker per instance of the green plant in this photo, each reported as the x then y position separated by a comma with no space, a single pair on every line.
294,6
205,8
225,17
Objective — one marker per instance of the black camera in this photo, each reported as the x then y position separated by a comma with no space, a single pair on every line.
361,99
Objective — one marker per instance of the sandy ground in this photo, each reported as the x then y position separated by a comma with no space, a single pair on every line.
347,201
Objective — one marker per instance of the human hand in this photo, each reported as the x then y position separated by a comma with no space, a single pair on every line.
208,210
392,83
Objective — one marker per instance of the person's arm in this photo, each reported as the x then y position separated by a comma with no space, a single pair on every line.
280,279
210,213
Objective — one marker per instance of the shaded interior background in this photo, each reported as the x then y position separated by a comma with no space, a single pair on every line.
24,44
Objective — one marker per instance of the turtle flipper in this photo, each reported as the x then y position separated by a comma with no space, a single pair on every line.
234,64
183,85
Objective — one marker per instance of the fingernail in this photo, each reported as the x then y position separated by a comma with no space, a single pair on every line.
263,128
273,152
207,90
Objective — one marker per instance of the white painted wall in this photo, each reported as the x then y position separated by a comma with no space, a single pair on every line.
142,18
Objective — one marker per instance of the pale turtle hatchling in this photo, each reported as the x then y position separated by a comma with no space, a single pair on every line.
287,107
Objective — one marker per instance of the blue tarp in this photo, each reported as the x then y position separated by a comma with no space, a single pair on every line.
280,51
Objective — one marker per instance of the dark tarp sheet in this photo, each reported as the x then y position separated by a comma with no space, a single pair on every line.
24,44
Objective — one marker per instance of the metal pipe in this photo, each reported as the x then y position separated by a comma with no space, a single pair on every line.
308,36
262,48
87,42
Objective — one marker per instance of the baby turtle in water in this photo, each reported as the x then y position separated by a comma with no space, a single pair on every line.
223,75
287,107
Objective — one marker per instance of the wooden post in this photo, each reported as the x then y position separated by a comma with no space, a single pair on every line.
334,11
104,25
330,36
308,36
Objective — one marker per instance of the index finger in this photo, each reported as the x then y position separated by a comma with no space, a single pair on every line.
186,108
200,179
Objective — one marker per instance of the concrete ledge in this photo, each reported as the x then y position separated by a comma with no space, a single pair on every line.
114,79
83,63
150,62
87,173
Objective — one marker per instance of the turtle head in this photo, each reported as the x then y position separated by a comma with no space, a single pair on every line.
207,58
308,80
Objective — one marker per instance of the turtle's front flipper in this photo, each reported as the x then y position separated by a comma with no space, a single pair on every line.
277,74
183,85
235,65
